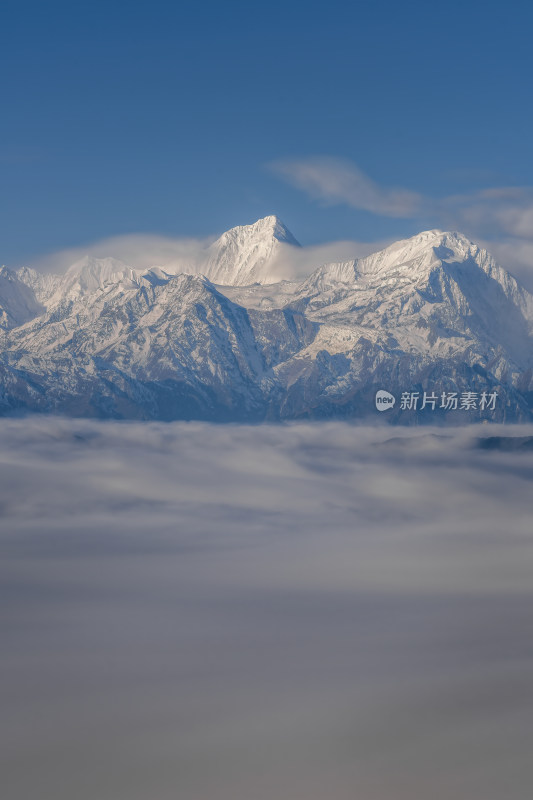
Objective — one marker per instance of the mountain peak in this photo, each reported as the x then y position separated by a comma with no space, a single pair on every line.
410,259
245,254
89,273
264,228
426,244
421,252
436,238
429,313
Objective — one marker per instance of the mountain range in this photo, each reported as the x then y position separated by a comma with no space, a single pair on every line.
226,339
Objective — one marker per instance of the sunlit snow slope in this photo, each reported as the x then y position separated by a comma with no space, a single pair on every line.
433,313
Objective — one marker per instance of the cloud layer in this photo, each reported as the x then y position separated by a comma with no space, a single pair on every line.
138,250
230,612
143,251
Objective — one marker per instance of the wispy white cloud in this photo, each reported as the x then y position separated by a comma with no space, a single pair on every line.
334,180
516,255
501,218
504,210
187,255
138,250
297,263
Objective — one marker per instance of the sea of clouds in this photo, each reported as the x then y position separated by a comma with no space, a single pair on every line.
302,612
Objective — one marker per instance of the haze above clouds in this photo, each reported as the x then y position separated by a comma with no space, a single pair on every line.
143,251
296,611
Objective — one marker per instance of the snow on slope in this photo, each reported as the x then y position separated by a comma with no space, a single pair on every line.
90,274
245,255
408,258
436,294
115,341
43,284
18,303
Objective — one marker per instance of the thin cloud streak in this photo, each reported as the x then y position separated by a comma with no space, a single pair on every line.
334,180
138,250
297,263
505,211
516,255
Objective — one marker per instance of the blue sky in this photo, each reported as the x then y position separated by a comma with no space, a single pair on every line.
362,121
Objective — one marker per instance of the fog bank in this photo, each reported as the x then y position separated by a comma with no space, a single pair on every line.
305,611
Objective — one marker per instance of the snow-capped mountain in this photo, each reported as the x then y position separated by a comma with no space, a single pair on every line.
432,314
422,290
248,254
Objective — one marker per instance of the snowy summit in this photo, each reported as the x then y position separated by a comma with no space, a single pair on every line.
431,313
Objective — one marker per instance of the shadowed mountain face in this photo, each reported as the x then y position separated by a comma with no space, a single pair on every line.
433,315
18,302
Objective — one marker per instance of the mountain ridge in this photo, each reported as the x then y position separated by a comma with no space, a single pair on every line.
431,312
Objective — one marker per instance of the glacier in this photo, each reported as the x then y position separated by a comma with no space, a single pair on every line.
227,339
